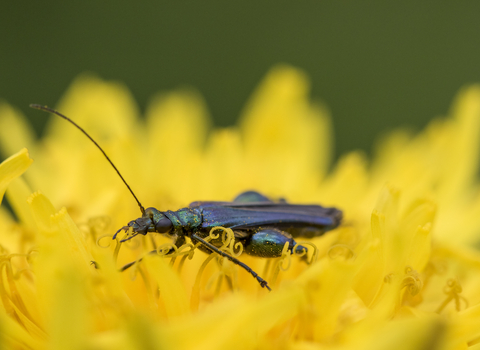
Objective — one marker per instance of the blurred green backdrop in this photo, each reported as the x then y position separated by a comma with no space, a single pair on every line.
376,64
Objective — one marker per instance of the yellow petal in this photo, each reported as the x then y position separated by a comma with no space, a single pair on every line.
171,289
370,277
464,147
61,237
421,246
465,325
15,336
414,334
17,195
13,167
223,162
347,185
282,130
326,286
177,124
68,323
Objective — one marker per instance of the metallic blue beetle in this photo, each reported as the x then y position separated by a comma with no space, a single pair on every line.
260,224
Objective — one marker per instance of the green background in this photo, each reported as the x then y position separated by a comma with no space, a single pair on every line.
376,64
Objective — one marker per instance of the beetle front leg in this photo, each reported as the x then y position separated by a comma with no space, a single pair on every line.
141,225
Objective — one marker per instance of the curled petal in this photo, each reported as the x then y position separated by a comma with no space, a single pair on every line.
102,238
237,249
166,248
212,235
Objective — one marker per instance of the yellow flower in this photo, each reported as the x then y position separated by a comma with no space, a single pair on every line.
402,269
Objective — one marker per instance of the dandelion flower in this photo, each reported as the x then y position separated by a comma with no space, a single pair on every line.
401,269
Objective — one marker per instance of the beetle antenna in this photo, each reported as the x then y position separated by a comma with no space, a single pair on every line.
48,109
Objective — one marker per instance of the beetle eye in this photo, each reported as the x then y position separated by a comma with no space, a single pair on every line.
163,225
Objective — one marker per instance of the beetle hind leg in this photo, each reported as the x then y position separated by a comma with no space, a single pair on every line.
212,248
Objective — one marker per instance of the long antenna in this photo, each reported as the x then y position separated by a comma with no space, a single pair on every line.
48,109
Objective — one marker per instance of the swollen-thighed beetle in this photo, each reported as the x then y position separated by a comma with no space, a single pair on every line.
263,226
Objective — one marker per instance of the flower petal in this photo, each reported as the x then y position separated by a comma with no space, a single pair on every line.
13,167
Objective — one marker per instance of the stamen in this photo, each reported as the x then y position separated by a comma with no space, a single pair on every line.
12,300
388,278
164,249
195,298
95,227
279,263
286,257
228,240
152,293
412,281
452,290
341,251
135,267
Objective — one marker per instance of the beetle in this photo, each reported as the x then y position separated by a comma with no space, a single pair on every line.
262,225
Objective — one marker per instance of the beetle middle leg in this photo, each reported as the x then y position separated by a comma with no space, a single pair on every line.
179,241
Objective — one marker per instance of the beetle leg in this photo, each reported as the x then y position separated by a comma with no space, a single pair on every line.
179,241
211,247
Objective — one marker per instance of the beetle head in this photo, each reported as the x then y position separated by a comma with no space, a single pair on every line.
161,223
152,220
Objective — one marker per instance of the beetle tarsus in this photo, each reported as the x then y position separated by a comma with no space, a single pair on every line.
128,238
263,283
116,233
125,228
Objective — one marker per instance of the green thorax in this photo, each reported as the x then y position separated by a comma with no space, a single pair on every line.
185,219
